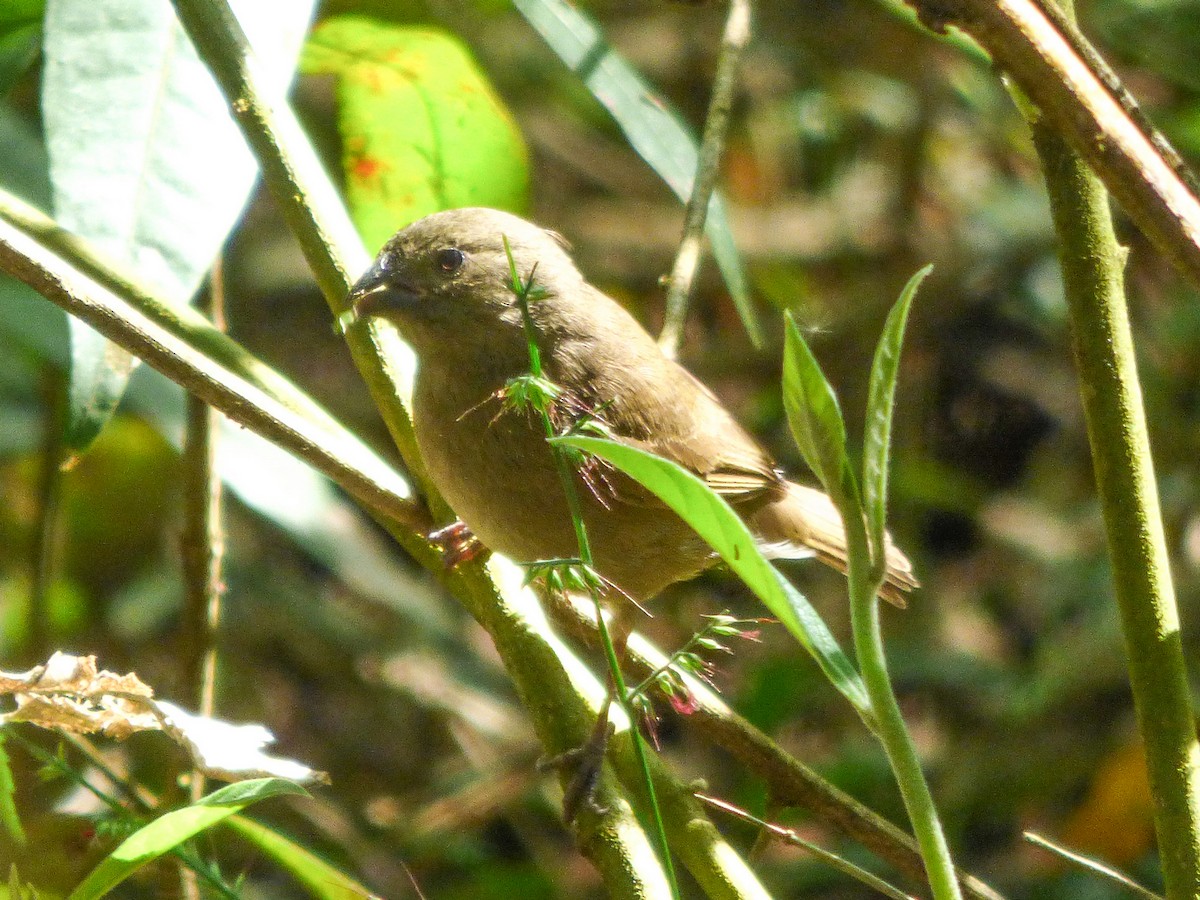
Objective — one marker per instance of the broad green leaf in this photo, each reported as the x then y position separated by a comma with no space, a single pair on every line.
320,878
160,176
422,128
170,830
877,439
8,807
716,522
813,413
18,13
654,130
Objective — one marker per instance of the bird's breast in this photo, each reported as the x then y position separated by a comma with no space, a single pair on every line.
493,466
496,470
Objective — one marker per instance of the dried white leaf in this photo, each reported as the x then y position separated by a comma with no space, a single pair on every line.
70,694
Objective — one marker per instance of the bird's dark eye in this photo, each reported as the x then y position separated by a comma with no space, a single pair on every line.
449,259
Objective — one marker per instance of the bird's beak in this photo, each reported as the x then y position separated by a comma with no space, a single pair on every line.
379,292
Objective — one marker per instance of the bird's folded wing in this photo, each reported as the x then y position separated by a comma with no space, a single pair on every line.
740,478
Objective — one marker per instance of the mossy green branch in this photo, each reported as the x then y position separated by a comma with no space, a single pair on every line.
789,782
1092,266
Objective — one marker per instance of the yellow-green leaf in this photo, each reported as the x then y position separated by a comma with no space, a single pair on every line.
422,128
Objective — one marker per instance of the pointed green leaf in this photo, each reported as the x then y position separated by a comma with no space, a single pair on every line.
654,130
813,414
422,128
320,878
99,372
877,439
160,178
716,522
170,830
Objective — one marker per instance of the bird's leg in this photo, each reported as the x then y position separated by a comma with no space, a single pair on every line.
457,544
586,761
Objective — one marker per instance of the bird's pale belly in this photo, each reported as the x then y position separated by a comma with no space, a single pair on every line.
496,471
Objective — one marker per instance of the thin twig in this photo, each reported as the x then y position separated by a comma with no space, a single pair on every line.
708,165
203,539
788,835
1093,865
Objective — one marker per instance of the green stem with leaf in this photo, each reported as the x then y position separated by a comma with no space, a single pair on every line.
820,432
524,291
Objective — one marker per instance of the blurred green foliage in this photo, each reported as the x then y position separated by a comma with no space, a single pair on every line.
861,150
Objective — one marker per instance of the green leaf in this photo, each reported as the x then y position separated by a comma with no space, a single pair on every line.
716,522
242,793
814,415
422,128
320,878
160,178
26,166
99,372
654,130
877,439
170,830
8,790
15,14
20,42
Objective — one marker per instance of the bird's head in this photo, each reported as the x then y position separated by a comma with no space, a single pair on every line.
448,275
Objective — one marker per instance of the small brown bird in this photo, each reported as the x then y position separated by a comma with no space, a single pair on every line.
445,283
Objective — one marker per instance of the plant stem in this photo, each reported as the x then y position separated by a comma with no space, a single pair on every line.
202,548
889,721
567,477
203,540
708,165
1092,265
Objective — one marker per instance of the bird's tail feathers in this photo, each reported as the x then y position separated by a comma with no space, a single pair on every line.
804,522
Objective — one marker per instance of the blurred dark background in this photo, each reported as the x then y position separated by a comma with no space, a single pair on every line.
860,149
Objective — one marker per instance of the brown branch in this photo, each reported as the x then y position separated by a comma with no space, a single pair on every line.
788,780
